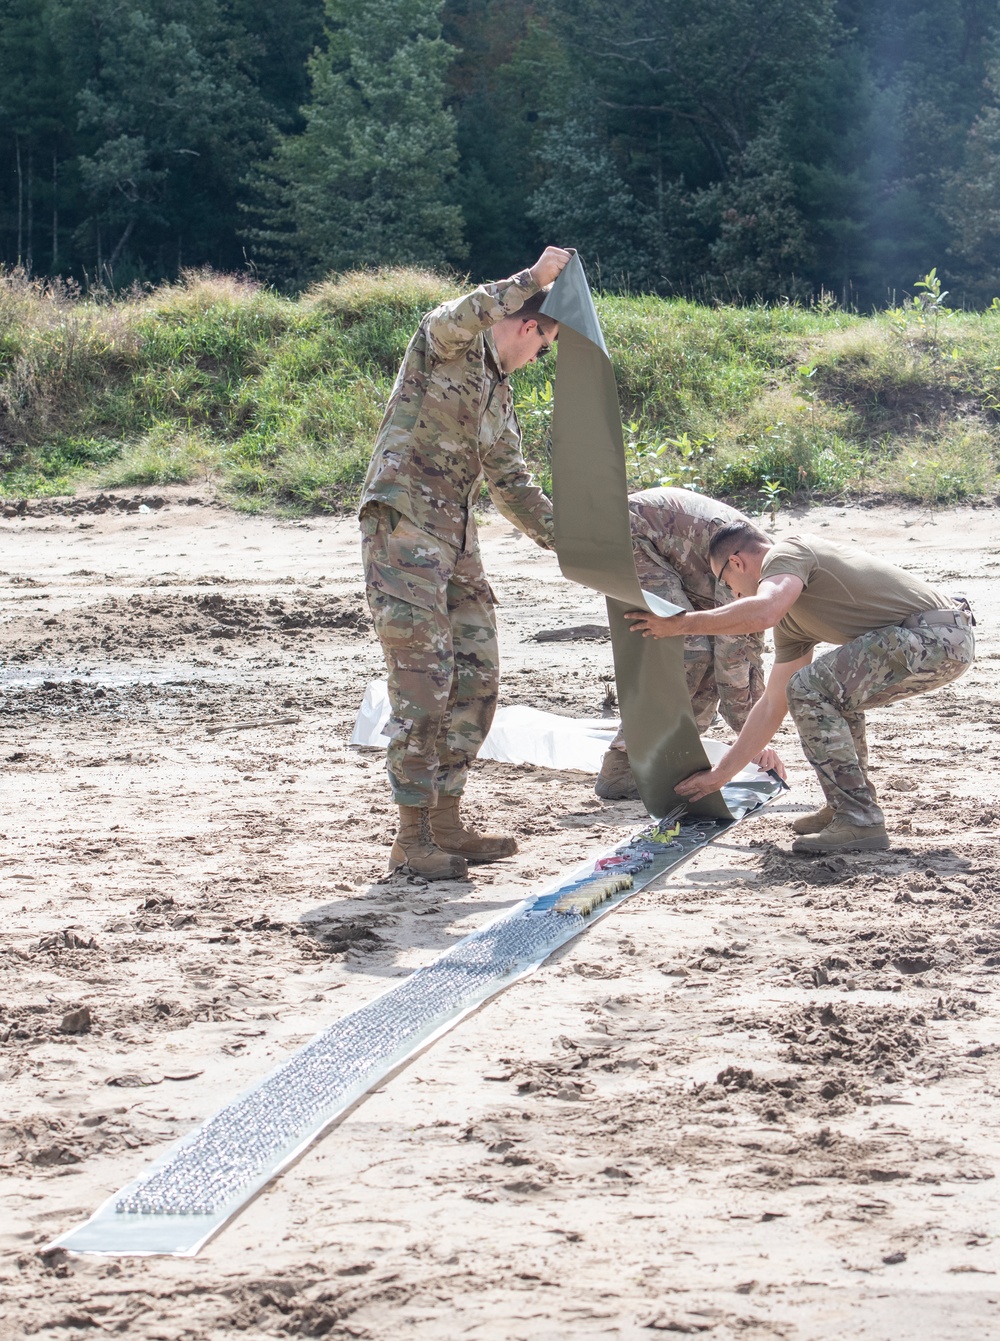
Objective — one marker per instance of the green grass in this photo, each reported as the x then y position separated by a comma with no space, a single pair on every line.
277,400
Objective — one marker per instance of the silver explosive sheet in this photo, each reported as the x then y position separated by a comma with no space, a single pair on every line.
188,1194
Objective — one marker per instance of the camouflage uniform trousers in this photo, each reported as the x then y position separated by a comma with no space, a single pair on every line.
828,698
438,634
724,672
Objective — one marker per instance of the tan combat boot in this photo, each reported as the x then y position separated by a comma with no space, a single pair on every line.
452,835
841,836
615,781
416,849
815,822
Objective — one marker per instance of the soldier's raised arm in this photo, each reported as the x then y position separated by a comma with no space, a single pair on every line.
451,328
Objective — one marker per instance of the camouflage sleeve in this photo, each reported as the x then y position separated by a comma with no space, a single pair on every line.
452,327
513,489
655,574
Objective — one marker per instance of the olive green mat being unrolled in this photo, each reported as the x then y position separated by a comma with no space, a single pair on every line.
594,548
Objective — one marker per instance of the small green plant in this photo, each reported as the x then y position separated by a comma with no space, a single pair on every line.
688,473
534,405
805,387
534,410
932,297
932,307
643,450
826,303
771,492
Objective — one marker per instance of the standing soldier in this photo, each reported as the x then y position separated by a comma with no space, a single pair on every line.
449,424
671,533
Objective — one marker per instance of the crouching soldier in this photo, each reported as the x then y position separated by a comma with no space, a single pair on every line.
671,533
894,635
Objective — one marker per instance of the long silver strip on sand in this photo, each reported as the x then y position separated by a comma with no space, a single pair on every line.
188,1194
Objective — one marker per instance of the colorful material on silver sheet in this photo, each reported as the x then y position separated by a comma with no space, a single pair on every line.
191,1191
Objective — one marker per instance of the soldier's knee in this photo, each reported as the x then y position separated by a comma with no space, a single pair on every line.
412,737
799,686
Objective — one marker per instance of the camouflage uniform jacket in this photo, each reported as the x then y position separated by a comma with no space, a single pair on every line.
675,526
450,422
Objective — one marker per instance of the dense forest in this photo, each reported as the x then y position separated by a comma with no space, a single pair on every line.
718,149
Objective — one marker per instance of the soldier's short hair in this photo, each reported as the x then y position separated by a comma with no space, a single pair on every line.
735,536
530,310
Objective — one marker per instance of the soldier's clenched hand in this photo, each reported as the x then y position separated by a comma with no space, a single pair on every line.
548,265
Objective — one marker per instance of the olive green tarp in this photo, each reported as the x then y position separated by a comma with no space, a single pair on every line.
594,548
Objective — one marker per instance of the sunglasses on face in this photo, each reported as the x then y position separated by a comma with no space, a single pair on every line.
546,345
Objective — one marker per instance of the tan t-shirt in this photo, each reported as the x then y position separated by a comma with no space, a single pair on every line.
846,592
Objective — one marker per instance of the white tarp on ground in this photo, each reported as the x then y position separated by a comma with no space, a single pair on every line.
521,735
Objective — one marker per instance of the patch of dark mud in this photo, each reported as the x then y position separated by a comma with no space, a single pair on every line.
879,1040
146,623
160,1012
265,922
578,1066
162,701
29,1025
780,1160
779,867
827,1061
54,699
832,1058
164,1014
161,912
840,1052
345,936
883,959
79,507
67,939
300,1306
656,1127
326,938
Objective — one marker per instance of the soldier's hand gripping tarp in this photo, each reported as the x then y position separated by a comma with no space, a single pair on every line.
594,547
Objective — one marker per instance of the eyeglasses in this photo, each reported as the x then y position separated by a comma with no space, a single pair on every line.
546,346
732,556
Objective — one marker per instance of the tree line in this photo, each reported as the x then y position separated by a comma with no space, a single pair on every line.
722,149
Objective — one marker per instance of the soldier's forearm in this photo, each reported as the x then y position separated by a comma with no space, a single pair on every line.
750,615
477,311
765,717
744,616
530,511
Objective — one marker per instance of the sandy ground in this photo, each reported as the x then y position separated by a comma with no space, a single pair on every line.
760,1099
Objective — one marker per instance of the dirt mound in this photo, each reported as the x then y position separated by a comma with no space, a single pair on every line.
46,1141
158,623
